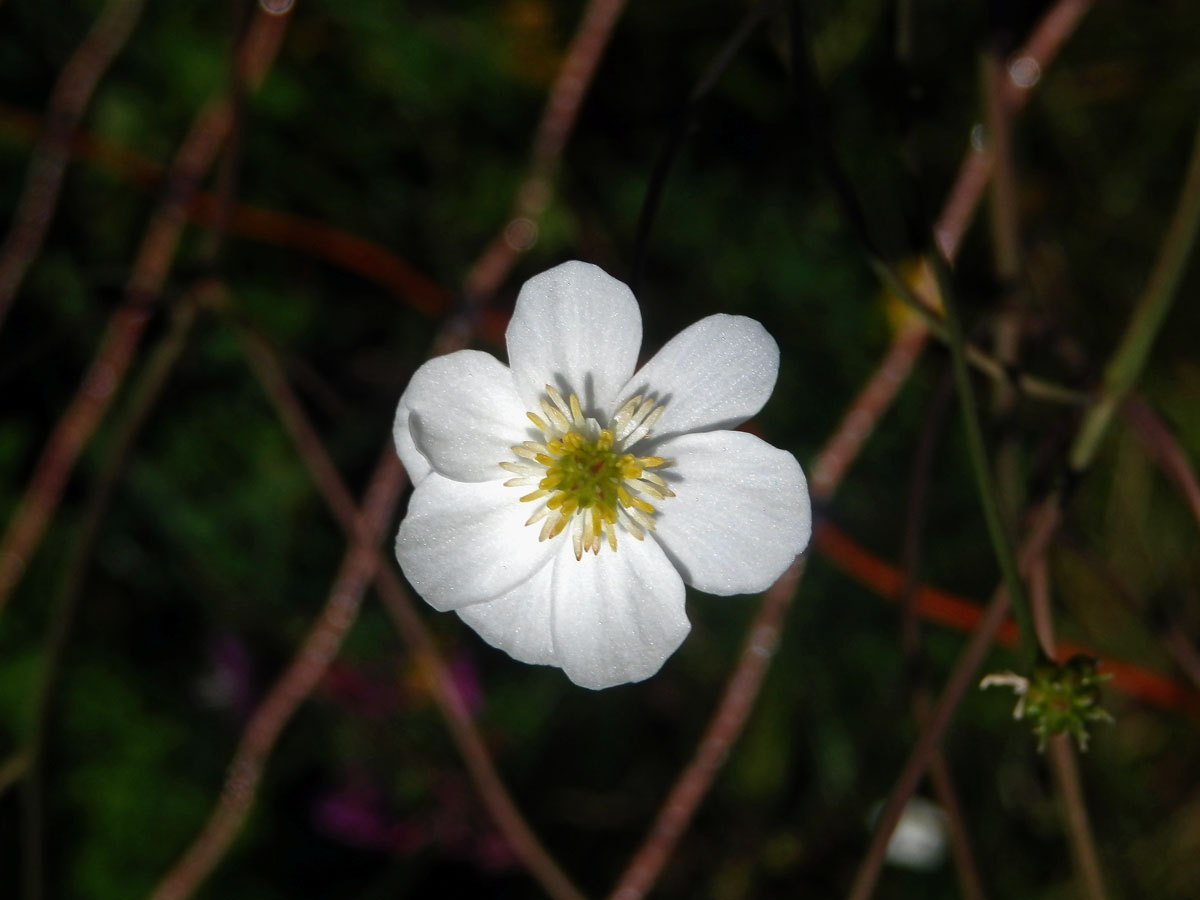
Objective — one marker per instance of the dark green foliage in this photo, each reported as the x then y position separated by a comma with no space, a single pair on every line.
409,125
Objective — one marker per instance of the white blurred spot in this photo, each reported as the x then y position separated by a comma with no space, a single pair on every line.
1024,71
276,7
919,841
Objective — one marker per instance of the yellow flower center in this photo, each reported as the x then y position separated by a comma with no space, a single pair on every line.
582,477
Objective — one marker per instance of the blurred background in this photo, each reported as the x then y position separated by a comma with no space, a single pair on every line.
307,205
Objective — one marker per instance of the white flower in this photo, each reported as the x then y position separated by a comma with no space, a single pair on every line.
562,502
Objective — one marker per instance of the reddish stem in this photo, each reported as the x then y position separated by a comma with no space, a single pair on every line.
302,675
124,331
74,89
399,604
830,466
558,119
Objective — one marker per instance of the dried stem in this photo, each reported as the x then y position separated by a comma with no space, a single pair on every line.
144,396
76,84
1153,432
1063,762
1120,375
484,278
523,841
1046,522
308,665
570,86
723,729
398,603
935,726
311,237
1083,844
693,782
969,880
1047,38
123,333
1012,302
1001,544
910,636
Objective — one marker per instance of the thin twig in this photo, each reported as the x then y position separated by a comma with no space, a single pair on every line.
936,411
1120,375
692,784
713,749
910,636
566,96
1063,762
309,236
1046,39
1012,302
75,86
969,879
960,614
145,393
1045,523
933,322
482,769
126,325
1149,313
685,122
1164,447
308,665
1001,543
1079,827
935,726
398,603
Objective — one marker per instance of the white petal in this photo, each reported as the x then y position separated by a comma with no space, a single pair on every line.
740,513
716,373
464,542
577,328
466,415
617,616
416,465
518,622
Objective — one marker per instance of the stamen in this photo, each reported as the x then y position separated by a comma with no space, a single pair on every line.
556,416
557,399
524,481
624,413
651,490
641,518
583,477
630,525
577,537
647,423
521,468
